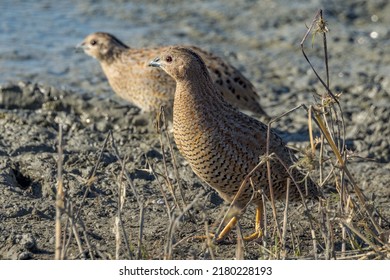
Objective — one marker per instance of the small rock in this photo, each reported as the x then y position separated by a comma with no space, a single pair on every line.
25,256
28,241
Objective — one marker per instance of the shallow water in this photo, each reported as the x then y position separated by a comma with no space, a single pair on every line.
37,38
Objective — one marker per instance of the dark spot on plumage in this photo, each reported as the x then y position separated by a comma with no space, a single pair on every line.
120,43
228,81
219,82
218,73
245,98
238,96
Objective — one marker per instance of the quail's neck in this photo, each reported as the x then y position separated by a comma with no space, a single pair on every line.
113,54
197,104
198,91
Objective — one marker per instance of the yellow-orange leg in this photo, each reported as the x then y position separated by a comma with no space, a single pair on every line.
258,225
233,221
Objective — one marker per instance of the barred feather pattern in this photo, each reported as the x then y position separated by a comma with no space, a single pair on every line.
222,144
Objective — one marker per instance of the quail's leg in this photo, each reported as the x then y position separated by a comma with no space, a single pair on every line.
233,221
222,234
258,226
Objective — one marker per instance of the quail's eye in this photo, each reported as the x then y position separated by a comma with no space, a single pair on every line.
93,42
168,59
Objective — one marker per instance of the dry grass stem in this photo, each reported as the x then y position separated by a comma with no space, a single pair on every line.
118,219
328,116
209,241
285,216
157,176
172,152
173,224
237,195
240,248
60,198
159,127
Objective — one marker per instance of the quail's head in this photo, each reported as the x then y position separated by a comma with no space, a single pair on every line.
179,62
99,45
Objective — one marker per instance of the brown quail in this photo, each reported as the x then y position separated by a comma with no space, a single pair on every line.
221,144
149,89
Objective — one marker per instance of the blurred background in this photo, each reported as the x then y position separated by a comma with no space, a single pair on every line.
261,38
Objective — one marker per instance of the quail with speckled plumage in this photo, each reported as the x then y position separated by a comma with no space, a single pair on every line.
130,77
221,144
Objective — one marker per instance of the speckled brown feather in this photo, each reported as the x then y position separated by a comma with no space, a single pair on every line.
222,144
127,72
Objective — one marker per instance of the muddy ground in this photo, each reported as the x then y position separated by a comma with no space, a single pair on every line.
262,40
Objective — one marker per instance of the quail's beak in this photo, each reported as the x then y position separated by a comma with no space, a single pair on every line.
155,62
80,47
